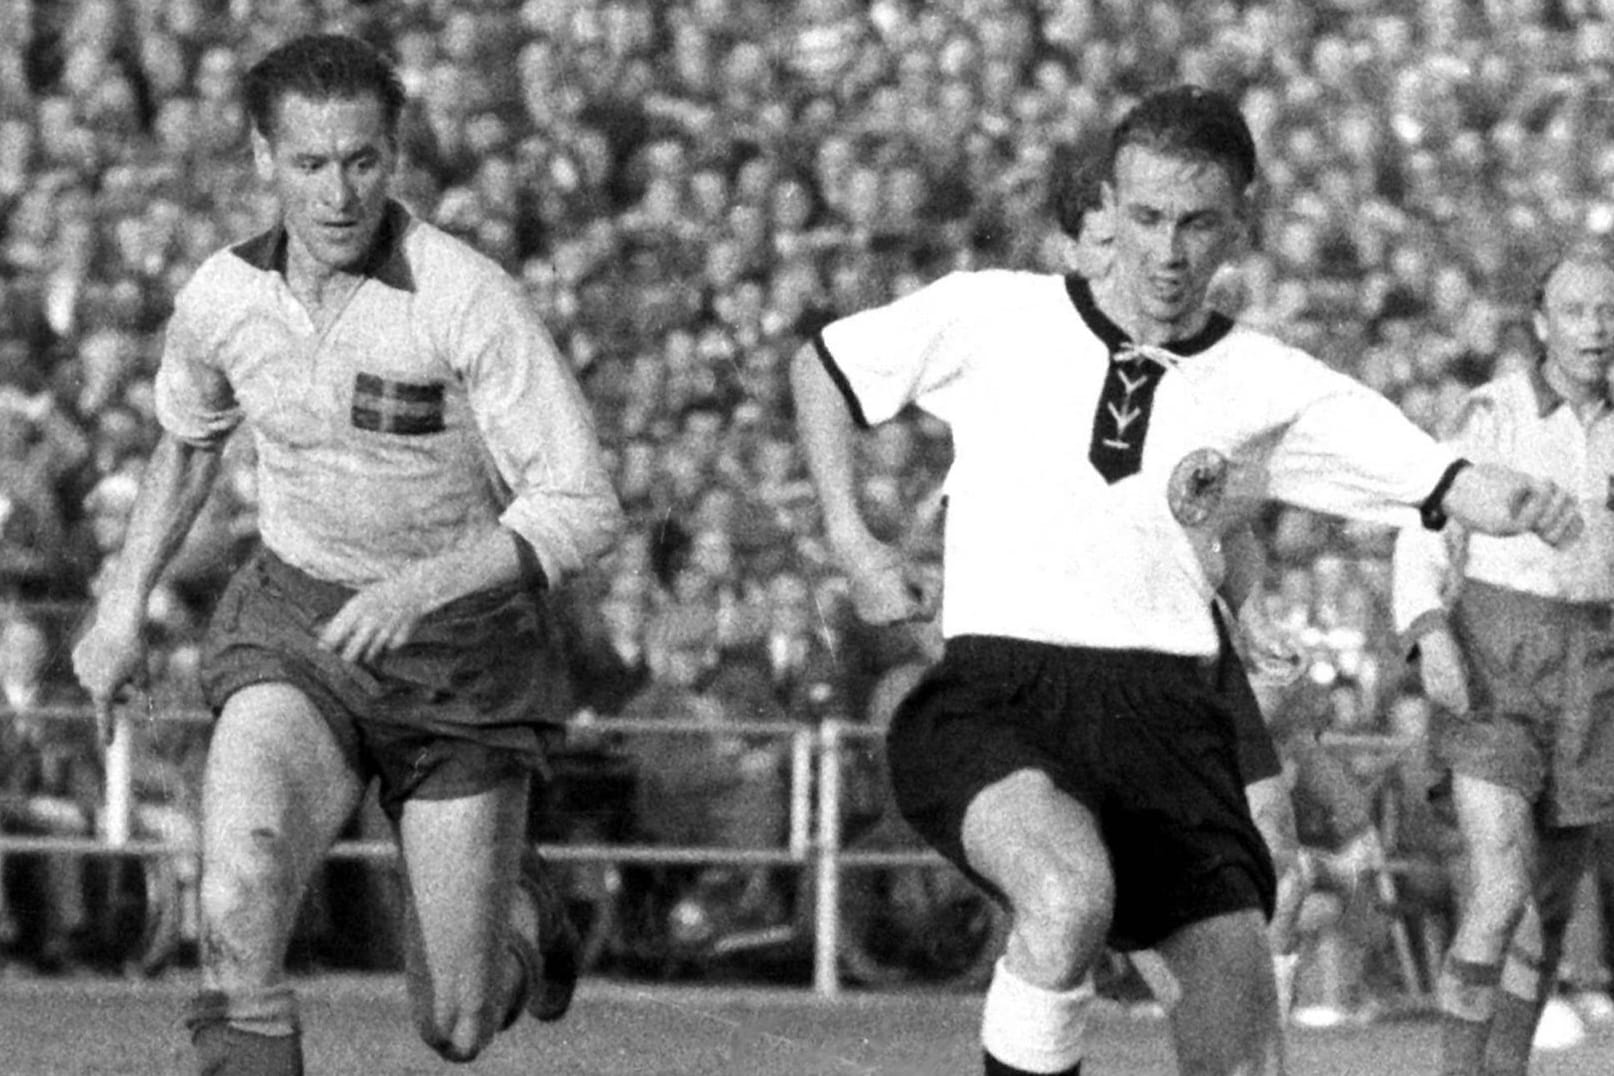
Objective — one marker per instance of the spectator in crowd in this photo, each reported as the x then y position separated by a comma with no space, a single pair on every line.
169,753
52,789
712,786
32,523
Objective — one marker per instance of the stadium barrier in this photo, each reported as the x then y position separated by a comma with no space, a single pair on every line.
816,808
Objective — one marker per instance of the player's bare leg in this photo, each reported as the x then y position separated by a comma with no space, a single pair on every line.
1225,1021
1530,967
1272,809
276,794
1044,852
475,933
1498,828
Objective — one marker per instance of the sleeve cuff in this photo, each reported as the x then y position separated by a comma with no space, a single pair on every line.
837,375
1431,512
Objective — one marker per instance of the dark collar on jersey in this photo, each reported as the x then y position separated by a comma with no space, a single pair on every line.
1549,399
1114,337
385,262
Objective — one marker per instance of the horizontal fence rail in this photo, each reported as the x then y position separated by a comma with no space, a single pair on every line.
816,802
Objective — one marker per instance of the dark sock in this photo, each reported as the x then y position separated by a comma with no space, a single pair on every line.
1513,1033
994,1067
222,1050
1462,1045
1468,998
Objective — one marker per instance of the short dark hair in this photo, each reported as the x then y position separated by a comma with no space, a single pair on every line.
1190,121
321,67
1078,191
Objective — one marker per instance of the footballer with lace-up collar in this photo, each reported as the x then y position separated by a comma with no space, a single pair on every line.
1067,752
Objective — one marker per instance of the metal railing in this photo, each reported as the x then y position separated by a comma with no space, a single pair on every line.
812,842
815,814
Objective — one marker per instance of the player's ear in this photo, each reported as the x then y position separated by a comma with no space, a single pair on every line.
1243,239
1248,236
263,156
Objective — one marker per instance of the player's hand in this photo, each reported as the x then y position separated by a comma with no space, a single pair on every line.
109,660
1440,667
886,589
381,617
1499,500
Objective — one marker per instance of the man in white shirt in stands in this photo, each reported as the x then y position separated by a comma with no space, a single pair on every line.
1070,751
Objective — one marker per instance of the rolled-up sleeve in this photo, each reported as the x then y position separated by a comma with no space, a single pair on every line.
194,400
1420,580
539,433
1425,562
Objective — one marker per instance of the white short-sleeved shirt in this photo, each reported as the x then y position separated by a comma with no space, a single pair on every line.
1087,493
434,406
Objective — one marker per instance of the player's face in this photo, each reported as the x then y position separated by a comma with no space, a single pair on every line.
330,163
1576,325
1176,220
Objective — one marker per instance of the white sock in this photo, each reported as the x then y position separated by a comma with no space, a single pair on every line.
1031,1028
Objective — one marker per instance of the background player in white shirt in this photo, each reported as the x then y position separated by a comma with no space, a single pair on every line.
1069,751
1514,647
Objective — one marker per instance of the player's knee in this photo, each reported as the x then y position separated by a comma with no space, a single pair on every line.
1064,913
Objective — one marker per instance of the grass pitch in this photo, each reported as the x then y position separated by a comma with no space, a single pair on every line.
360,1025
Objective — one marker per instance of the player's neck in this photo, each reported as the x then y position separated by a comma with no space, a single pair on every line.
1119,306
1583,398
318,286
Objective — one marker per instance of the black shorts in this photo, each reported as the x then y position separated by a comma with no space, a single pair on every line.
453,712
1258,756
1144,741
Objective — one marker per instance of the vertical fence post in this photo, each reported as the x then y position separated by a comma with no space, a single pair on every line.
116,809
827,863
801,793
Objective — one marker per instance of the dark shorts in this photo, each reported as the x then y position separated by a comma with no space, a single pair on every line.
455,711
1541,702
1258,756
1144,741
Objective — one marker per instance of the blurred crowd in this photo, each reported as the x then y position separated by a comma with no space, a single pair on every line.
689,187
